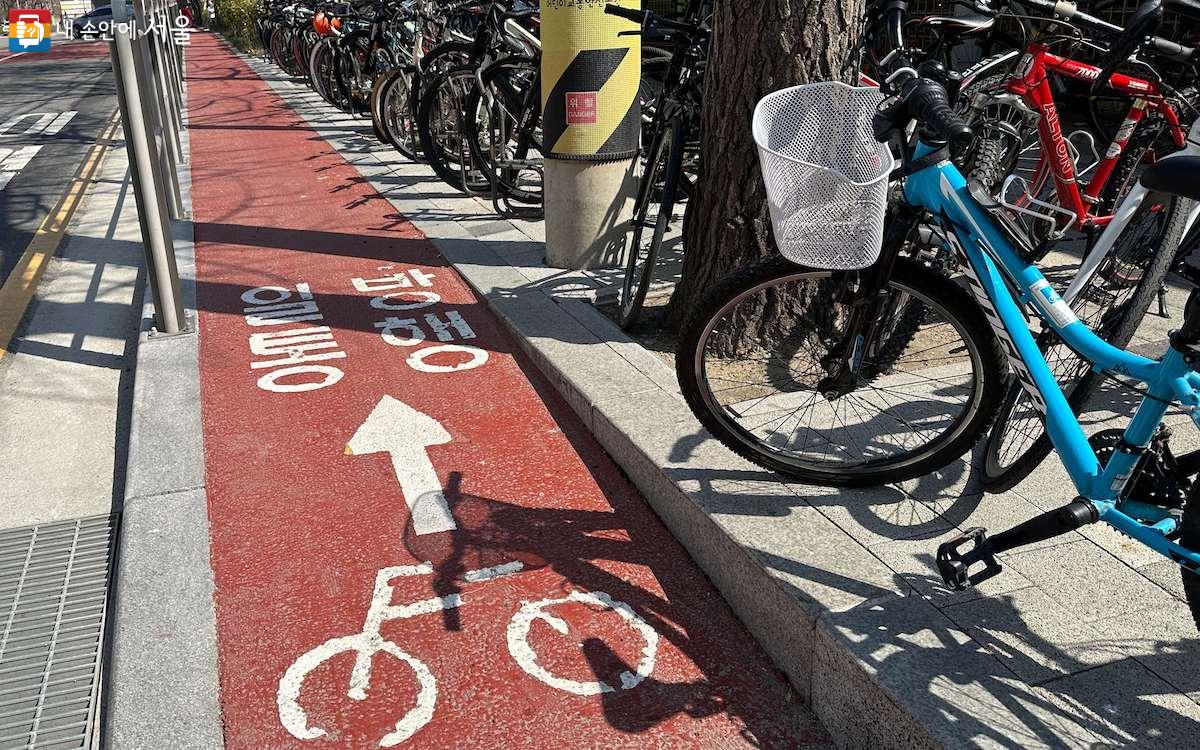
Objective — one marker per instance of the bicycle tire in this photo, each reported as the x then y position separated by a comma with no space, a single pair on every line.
909,277
280,46
394,121
321,64
1190,538
458,176
999,476
524,135
666,152
377,93
344,73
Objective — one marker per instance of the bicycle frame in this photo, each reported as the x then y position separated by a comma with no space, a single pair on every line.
993,267
1125,211
1031,82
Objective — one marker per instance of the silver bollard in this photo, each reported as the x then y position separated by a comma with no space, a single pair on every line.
134,96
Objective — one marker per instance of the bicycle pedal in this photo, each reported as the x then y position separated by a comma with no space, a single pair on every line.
954,565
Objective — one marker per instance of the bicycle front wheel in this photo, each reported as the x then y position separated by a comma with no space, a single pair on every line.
753,361
393,112
442,125
505,135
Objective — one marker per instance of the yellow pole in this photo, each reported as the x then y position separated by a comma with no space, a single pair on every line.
591,125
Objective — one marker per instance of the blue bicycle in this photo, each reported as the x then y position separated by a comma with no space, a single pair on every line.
887,370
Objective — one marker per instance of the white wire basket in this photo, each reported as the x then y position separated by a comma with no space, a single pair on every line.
826,175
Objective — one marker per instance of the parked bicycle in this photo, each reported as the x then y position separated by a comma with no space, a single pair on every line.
673,135
1016,119
777,366
824,156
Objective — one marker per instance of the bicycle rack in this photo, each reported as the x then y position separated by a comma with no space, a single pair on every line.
1089,142
1053,215
503,203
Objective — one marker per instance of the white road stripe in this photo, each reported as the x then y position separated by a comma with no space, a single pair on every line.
13,161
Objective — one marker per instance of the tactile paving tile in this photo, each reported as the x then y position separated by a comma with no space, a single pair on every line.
53,588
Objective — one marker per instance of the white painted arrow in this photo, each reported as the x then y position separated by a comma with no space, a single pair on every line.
396,428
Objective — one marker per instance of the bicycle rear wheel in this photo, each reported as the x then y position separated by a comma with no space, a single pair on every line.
441,122
1112,304
392,112
753,360
506,133
652,214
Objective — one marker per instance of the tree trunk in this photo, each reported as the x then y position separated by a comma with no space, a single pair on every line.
759,46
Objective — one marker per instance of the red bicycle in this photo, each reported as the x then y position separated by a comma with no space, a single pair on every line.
1031,82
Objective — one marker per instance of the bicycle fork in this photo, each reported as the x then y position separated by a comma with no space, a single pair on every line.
868,298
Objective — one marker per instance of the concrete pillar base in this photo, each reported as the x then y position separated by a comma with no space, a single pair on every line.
588,207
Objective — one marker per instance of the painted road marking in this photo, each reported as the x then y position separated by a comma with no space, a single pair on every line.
396,428
294,350
13,160
370,642
44,123
6,58
401,295
18,290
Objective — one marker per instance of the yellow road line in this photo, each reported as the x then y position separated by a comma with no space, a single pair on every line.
22,282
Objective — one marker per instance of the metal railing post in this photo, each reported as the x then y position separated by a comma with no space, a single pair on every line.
169,117
169,70
149,182
166,147
176,58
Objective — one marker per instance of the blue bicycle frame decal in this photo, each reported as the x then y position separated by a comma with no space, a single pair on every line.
993,267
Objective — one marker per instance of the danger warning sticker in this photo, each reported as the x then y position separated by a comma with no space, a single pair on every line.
581,108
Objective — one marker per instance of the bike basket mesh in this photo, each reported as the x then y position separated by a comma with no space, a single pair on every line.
826,175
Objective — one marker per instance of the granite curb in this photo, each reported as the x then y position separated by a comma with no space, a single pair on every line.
162,681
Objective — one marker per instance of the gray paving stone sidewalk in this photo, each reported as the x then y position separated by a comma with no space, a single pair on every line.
1083,642
66,385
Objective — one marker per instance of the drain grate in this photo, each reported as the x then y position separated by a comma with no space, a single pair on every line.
53,589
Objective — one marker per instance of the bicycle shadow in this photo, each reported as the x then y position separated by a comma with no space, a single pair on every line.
588,549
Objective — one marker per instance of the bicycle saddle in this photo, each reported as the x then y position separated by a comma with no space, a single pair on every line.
1177,175
964,25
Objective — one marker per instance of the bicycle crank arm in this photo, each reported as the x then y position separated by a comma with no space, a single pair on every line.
954,565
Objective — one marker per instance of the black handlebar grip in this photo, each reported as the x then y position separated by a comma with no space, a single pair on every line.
637,16
1140,26
930,105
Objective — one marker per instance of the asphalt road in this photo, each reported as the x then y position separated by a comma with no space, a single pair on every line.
72,77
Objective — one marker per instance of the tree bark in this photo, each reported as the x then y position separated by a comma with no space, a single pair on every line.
759,46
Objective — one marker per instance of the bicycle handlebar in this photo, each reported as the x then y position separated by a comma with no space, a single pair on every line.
648,19
1067,11
916,97
930,104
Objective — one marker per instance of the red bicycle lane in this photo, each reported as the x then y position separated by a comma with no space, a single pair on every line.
414,541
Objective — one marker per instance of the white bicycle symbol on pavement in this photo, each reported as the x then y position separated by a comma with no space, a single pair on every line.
370,642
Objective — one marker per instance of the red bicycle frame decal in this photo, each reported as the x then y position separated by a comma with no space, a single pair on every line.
1032,84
